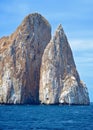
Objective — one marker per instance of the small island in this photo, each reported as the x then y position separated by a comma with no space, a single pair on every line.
36,68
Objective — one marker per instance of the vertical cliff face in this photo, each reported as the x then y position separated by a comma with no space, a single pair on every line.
33,68
59,79
20,60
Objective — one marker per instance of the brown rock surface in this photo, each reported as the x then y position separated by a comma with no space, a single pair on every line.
59,79
33,68
20,60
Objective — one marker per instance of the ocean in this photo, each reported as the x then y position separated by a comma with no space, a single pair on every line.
46,117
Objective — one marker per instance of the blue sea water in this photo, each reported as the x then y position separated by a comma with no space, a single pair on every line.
42,117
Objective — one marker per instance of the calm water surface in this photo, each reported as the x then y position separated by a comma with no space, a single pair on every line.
41,117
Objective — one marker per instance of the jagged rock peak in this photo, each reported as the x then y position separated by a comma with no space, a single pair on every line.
28,27
59,31
59,79
35,16
60,28
60,35
30,23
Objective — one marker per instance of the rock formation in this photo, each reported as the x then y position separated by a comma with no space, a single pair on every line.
20,60
34,69
59,79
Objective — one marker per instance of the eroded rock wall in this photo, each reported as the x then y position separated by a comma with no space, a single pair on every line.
35,68
20,60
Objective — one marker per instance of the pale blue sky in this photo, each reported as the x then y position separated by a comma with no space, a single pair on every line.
76,17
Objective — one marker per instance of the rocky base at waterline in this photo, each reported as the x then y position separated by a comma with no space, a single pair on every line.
35,68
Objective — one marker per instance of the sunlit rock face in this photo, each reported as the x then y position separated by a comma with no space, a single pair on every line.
59,79
20,60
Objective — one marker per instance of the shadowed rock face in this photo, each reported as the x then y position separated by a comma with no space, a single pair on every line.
59,79
20,60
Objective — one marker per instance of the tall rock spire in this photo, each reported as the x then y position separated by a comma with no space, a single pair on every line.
59,79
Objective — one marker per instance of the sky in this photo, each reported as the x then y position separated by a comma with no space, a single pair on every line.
76,17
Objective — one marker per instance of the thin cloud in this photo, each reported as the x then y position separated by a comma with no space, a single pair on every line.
81,45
